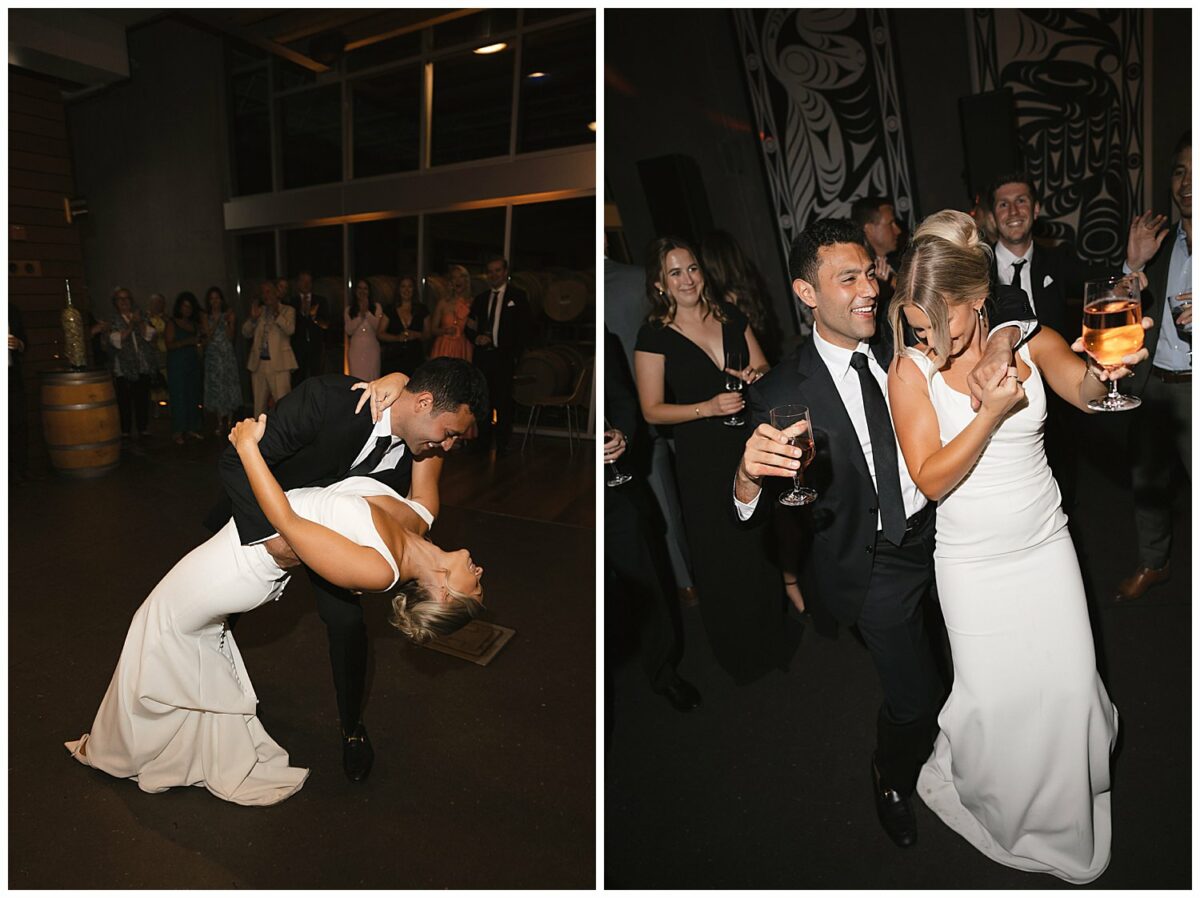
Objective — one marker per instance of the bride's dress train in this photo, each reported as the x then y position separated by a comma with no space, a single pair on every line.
180,708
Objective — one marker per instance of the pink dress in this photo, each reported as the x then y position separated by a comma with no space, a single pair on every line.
456,345
363,332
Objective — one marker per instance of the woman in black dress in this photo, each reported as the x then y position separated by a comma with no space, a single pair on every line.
680,365
407,330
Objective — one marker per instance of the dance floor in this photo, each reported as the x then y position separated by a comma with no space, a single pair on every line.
767,786
484,777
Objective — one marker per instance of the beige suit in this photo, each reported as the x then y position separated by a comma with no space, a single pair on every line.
273,376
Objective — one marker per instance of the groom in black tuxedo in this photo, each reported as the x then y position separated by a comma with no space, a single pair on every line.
868,537
314,437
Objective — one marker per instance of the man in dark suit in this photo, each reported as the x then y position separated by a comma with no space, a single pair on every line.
1161,429
869,535
876,215
315,437
500,327
638,587
312,321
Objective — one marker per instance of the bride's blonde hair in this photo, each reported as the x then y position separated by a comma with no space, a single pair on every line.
419,615
948,263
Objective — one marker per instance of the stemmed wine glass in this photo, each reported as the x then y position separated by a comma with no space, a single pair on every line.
613,477
734,361
1112,329
796,418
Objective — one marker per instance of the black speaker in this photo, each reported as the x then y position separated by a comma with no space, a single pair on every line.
676,196
989,131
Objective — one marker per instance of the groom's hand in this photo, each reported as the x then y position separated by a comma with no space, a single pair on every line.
997,359
282,552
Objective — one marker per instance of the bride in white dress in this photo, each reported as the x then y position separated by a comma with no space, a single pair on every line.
180,709
1021,766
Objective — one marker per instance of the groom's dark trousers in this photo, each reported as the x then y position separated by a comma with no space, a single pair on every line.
857,575
312,439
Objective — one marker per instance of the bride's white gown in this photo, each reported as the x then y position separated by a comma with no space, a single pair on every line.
1021,766
180,709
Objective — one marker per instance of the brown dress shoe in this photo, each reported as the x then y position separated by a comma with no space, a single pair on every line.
688,596
1143,578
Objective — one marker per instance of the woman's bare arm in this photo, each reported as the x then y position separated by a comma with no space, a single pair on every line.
329,554
1065,372
650,373
934,468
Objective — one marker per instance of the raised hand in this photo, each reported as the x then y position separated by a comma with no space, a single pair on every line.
769,454
1002,393
1146,234
248,432
997,359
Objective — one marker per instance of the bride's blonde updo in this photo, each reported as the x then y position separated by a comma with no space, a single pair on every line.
417,613
947,263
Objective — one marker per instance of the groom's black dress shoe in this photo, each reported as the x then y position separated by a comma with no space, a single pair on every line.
682,695
357,754
895,812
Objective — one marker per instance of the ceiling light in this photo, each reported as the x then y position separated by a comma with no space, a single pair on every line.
591,126
536,75
491,48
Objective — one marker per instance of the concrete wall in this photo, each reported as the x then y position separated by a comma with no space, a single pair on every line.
151,158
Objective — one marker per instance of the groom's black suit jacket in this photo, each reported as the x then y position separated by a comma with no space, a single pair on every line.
312,439
840,538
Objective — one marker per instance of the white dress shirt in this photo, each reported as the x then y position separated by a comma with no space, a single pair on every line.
845,379
1004,268
499,304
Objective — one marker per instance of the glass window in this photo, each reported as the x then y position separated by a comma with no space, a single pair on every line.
319,252
288,75
558,88
256,258
387,247
387,111
251,132
554,235
537,16
472,107
310,136
479,27
460,238
383,52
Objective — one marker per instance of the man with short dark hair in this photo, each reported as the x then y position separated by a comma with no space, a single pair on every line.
876,215
1161,429
498,327
317,436
867,550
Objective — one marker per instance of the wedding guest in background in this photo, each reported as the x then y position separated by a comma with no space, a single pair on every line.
222,386
638,586
1161,429
499,327
681,353
364,320
876,215
406,331
271,360
734,277
450,316
133,359
312,321
185,340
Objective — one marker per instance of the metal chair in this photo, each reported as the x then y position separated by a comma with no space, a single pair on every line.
576,399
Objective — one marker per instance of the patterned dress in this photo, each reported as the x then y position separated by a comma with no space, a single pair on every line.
222,384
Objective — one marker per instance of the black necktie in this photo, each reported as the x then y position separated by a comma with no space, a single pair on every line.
883,450
367,465
1016,278
492,312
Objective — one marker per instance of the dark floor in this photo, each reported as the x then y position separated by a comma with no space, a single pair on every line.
767,786
484,776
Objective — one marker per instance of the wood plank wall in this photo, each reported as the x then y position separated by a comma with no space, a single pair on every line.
39,178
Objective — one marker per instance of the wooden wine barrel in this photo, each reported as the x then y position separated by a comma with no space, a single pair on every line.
568,295
80,422
534,285
550,372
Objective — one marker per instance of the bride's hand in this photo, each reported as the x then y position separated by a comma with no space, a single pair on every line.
381,392
248,432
